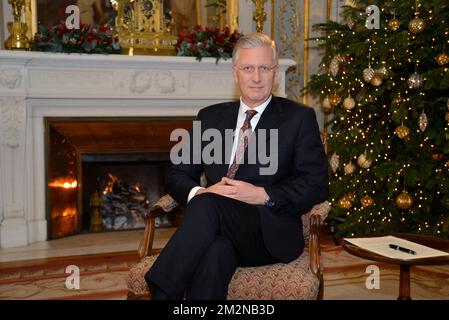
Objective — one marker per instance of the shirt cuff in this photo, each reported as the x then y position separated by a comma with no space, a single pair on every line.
193,192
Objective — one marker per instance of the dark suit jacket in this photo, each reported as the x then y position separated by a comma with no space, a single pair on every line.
300,182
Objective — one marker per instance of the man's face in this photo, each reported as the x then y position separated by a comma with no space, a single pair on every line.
255,73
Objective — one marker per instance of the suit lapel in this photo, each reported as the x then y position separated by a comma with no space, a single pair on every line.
271,119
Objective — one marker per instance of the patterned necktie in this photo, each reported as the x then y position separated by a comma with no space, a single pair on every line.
242,144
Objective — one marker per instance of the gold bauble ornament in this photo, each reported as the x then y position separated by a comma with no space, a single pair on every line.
416,25
423,121
402,131
334,66
442,59
368,74
349,168
334,162
447,116
345,202
415,81
334,100
366,201
404,200
376,81
396,100
381,72
394,24
349,103
363,161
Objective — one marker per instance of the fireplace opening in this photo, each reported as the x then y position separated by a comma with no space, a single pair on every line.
105,174
119,189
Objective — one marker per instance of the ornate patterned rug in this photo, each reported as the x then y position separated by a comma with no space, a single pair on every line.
103,277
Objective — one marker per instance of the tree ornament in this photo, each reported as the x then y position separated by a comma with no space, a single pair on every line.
349,168
334,100
334,66
351,196
402,131
416,25
381,72
376,81
349,103
366,201
345,202
442,59
393,24
327,108
397,100
363,161
447,116
423,121
404,200
334,162
415,81
368,74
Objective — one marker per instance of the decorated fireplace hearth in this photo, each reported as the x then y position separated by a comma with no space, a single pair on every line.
65,115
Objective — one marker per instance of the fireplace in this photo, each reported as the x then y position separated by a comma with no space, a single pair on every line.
105,174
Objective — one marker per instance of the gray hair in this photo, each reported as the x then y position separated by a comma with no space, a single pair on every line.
254,40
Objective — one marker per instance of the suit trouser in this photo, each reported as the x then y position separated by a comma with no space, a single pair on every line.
217,235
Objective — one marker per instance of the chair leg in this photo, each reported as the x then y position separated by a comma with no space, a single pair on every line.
321,288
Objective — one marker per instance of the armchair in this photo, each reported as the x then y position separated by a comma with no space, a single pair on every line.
301,279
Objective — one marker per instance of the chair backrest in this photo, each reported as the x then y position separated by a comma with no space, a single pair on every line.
321,209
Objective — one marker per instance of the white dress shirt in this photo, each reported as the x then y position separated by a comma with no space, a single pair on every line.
240,120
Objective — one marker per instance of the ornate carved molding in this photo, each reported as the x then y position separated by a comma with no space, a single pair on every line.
288,39
10,78
12,120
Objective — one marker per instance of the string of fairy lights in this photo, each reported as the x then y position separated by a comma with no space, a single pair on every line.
356,115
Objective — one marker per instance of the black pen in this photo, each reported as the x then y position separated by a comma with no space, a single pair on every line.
396,247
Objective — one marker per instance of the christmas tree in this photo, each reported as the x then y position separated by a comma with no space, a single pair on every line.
384,85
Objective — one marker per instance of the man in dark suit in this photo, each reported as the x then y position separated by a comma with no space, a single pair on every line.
243,217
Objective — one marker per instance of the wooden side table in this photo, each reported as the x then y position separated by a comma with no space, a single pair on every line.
404,265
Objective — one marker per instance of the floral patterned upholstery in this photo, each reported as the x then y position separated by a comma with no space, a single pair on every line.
293,280
278,281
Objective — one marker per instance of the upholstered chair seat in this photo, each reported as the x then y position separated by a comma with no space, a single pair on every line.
300,279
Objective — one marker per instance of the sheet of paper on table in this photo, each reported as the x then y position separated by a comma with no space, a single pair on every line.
381,245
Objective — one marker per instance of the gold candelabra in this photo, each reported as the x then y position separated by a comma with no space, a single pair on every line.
17,39
259,15
143,26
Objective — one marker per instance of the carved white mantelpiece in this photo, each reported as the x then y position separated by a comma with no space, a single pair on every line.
36,85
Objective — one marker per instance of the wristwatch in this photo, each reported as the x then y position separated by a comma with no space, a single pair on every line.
268,202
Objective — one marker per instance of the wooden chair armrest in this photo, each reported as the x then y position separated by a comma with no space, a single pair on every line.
318,214
164,205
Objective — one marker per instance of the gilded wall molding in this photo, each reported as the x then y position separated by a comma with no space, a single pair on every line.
288,38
